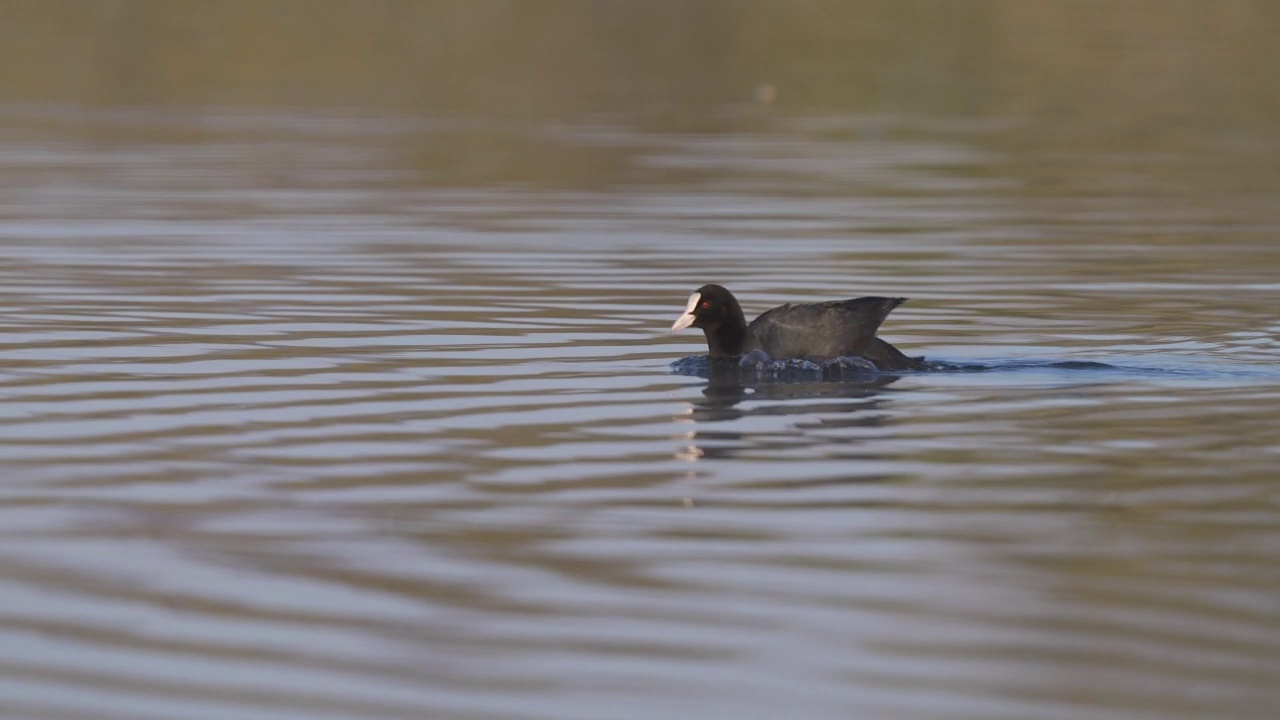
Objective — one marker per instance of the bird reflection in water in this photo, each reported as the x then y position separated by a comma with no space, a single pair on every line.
777,393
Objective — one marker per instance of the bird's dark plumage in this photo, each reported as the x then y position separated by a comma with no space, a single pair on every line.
816,331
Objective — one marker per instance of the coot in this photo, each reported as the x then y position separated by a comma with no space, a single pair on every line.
815,331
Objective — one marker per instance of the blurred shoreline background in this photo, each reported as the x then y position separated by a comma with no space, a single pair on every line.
1131,80
1132,71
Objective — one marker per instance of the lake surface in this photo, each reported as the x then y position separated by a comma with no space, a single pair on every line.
294,428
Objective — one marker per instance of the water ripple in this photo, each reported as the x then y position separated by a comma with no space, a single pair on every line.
405,452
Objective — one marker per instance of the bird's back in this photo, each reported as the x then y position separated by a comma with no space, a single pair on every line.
822,330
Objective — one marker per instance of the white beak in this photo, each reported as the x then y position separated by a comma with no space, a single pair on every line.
687,318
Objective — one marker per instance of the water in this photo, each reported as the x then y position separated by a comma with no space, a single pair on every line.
293,429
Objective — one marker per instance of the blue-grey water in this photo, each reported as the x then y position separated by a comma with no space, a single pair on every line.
291,429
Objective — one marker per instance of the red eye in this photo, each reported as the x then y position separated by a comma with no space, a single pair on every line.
705,304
